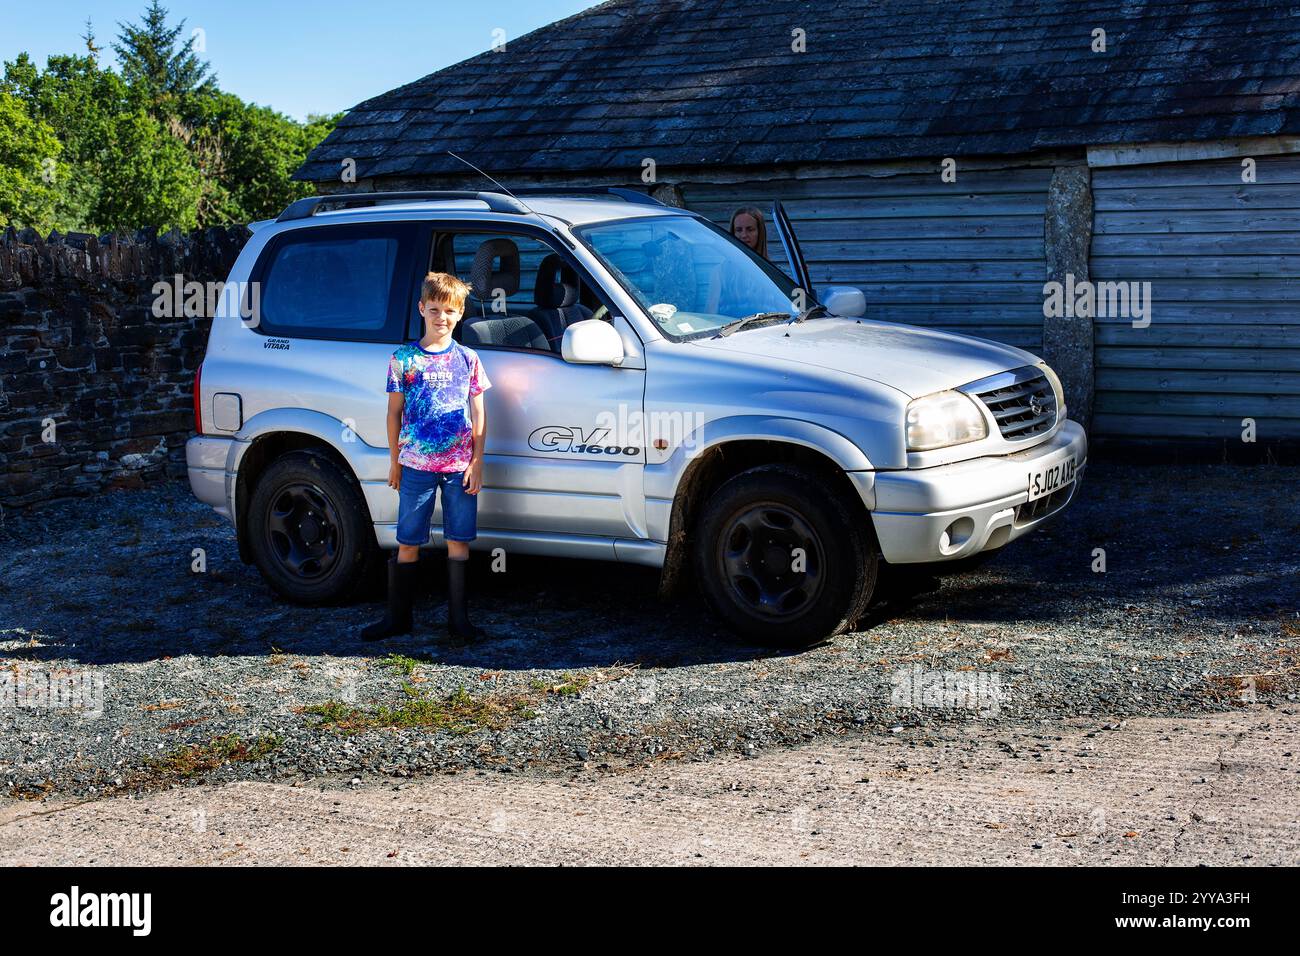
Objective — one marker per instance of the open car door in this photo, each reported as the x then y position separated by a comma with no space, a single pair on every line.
793,254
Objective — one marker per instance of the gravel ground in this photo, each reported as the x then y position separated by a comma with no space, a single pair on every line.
1212,790
208,677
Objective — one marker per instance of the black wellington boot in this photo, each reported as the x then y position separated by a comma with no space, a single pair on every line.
401,591
458,625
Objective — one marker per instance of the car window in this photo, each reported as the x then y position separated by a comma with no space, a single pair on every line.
335,283
524,293
465,247
687,274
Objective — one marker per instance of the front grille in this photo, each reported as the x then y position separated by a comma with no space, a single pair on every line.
1022,402
1044,506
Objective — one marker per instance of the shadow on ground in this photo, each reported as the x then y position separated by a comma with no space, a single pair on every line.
110,580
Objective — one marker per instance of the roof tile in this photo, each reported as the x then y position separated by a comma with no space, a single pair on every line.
705,81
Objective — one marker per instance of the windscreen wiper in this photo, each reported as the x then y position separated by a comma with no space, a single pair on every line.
808,313
735,325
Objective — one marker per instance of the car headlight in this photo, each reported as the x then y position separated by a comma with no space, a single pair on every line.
943,419
1056,387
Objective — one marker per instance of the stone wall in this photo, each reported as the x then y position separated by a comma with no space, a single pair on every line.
95,391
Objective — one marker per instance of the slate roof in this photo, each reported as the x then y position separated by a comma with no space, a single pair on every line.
715,82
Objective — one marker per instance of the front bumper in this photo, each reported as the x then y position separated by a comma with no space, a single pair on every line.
955,511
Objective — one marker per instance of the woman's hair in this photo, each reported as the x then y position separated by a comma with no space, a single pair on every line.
757,214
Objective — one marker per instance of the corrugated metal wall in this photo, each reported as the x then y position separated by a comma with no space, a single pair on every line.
1223,260
964,256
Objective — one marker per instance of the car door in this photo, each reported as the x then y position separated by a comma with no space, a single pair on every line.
793,254
562,455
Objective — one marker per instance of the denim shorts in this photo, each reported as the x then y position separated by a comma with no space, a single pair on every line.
415,506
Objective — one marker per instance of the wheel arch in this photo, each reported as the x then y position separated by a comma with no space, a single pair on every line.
730,455
270,435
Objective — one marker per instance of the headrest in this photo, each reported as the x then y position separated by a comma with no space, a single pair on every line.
557,284
483,279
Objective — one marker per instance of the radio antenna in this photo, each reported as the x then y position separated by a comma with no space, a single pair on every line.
487,177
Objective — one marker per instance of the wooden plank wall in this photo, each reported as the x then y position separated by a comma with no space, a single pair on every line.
964,256
1223,260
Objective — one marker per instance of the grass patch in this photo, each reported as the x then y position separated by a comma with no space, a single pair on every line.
32,791
458,713
402,663
570,685
1241,689
162,705
204,758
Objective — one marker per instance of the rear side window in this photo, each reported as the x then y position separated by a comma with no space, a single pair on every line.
337,282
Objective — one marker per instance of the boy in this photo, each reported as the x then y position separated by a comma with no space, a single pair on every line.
436,430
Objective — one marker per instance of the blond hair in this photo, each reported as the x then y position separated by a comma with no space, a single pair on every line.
443,287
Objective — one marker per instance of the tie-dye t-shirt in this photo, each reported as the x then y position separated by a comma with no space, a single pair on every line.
436,433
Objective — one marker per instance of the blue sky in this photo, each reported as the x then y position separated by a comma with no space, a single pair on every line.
295,56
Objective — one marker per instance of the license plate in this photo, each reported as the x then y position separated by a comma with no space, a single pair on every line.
1051,478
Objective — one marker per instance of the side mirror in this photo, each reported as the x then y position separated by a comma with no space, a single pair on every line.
844,300
592,342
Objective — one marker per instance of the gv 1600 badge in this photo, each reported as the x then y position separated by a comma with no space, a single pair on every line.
565,439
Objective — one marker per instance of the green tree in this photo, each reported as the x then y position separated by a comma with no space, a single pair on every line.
147,178
264,149
158,144
167,73
81,103
29,167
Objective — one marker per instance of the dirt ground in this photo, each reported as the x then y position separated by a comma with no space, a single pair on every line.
1220,789
1122,686
207,678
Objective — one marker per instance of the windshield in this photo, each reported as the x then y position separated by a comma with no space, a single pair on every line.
690,276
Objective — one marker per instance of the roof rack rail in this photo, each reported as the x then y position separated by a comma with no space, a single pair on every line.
619,192
307,207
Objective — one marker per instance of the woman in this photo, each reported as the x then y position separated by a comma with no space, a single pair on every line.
749,226
727,291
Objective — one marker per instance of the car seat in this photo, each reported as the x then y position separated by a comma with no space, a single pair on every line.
556,293
491,328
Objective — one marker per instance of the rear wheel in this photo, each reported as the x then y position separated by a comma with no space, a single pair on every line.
309,530
781,559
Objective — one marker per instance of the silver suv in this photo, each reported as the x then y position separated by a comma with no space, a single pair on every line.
662,395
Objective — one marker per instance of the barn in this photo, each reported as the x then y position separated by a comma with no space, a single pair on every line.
951,159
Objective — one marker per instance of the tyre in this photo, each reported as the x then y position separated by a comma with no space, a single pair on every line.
309,529
781,559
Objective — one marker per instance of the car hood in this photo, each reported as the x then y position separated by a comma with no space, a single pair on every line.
913,360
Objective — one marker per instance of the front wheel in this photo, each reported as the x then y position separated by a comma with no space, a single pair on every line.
781,559
310,533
